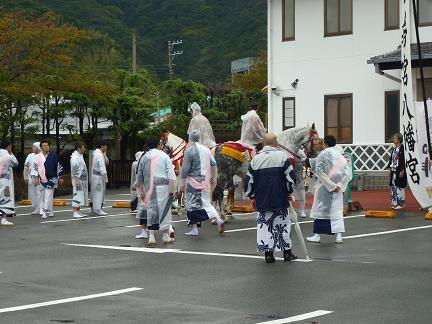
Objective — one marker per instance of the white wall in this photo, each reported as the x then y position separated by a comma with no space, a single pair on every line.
333,65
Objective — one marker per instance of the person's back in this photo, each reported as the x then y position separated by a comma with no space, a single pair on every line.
271,170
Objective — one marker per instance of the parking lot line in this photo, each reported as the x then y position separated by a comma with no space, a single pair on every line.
68,300
299,317
82,219
160,251
388,232
304,222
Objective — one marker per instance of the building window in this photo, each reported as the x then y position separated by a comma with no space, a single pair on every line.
288,20
288,112
425,12
338,17
428,88
391,14
338,117
392,120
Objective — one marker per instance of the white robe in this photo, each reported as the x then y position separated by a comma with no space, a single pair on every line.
99,179
253,130
156,180
79,171
7,189
32,189
331,171
201,124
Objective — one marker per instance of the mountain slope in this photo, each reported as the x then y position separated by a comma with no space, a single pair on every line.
214,32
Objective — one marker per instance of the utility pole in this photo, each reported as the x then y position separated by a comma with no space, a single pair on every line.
134,52
171,55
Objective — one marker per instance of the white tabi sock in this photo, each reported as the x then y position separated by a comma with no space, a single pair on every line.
302,204
193,232
152,239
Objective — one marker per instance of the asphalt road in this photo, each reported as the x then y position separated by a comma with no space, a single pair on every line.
53,272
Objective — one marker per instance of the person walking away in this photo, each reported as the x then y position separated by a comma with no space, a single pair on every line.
133,191
398,177
156,184
270,182
197,175
79,177
8,161
47,173
200,123
32,190
99,178
327,209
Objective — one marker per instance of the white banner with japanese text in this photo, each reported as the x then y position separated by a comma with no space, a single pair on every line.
417,179
426,165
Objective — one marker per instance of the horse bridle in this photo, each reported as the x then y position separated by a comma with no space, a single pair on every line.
173,152
312,134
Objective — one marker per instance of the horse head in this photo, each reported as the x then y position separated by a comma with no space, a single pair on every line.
295,138
172,144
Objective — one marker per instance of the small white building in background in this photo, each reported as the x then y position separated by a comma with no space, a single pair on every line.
326,46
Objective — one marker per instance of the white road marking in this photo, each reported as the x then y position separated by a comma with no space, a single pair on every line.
299,317
55,211
304,222
388,232
159,251
82,219
124,248
68,300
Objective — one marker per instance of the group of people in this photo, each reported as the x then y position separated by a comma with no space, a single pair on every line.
43,173
270,183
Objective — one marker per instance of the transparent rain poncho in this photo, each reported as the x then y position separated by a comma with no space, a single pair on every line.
331,170
253,130
201,124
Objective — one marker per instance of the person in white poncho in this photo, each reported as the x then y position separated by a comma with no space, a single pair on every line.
99,178
333,176
79,177
8,161
201,124
253,130
32,189
197,176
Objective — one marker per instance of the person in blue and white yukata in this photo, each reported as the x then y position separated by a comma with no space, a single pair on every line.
156,184
8,161
32,189
47,173
197,175
398,177
270,182
79,177
333,176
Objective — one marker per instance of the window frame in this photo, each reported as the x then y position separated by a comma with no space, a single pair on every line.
386,27
386,93
426,24
338,33
285,99
284,38
339,96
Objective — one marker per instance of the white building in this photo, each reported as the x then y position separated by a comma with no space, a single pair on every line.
326,45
